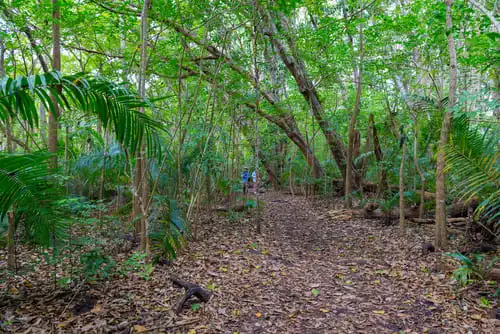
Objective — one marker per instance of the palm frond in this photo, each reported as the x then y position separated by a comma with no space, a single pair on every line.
114,105
21,176
426,103
473,157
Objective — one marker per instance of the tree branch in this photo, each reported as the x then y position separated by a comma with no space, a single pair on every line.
489,14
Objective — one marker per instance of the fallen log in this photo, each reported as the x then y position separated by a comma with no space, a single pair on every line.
454,221
422,220
462,209
494,274
457,220
191,290
235,208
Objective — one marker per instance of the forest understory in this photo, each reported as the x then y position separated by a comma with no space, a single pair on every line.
311,270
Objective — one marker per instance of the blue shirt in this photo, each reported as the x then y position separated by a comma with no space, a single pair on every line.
245,176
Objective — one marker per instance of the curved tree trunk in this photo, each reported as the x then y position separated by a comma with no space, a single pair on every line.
284,120
296,67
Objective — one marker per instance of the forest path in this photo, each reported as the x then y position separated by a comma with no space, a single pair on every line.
314,272
311,270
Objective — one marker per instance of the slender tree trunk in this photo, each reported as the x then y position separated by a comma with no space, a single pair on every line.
285,120
297,69
419,169
141,182
2,58
382,174
402,183
441,231
11,234
56,66
358,74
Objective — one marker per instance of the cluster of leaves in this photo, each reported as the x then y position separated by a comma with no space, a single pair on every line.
474,268
473,157
136,264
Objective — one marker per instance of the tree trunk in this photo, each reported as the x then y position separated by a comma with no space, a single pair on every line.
382,182
364,163
402,185
284,120
141,184
419,169
297,69
441,232
11,234
358,75
56,66
271,173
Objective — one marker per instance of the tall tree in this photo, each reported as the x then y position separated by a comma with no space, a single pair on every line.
56,65
441,230
141,184
293,61
357,75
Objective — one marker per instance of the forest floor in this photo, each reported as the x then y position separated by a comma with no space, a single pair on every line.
311,270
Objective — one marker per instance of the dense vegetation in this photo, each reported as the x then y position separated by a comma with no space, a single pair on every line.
123,122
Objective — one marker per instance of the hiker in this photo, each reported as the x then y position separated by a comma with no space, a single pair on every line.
254,181
244,178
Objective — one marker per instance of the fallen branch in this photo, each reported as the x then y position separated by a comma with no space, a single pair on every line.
422,220
235,208
494,274
191,290
454,221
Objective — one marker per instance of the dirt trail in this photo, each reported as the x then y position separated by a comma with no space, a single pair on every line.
308,272
313,273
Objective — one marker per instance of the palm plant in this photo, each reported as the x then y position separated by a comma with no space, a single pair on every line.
473,156
24,179
113,104
25,184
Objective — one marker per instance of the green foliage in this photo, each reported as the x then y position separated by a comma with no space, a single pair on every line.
472,155
114,105
472,269
28,187
136,264
22,177
484,302
96,265
168,231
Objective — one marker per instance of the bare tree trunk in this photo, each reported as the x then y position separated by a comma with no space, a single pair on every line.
141,184
296,67
419,169
284,120
441,231
402,184
382,174
358,75
56,65
364,163
271,172
11,235
2,58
